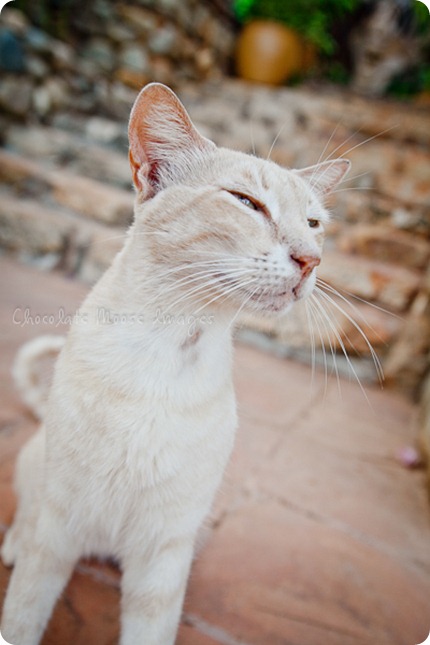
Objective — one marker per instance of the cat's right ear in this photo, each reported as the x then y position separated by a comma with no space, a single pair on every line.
162,139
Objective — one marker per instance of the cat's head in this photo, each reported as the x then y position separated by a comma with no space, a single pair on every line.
223,226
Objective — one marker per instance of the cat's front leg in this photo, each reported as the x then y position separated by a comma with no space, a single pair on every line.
42,569
153,593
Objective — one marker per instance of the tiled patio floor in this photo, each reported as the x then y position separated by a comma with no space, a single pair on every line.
319,535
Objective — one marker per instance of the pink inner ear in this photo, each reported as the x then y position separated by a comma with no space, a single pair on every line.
142,174
160,130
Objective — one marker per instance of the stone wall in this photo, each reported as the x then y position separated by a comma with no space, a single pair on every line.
108,50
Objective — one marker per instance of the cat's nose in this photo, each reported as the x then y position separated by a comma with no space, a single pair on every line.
306,263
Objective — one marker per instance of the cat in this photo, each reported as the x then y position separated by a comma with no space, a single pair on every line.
141,414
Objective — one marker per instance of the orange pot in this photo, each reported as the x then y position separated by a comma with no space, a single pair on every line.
269,52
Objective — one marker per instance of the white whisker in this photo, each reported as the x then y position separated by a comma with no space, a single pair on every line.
344,190
232,321
377,362
342,144
362,143
282,128
312,338
323,152
361,174
323,285
342,346
200,289
227,293
337,292
316,317
328,329
197,277
251,132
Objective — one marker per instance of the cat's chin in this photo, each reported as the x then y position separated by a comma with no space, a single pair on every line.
272,307
279,304
277,311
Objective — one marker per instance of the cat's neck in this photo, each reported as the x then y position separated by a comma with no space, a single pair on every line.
152,347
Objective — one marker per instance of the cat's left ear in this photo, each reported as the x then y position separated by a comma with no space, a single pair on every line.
324,177
162,138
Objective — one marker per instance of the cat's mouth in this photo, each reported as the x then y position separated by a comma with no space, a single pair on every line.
266,299
276,301
272,301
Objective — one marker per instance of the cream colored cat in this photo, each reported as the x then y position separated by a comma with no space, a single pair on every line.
141,415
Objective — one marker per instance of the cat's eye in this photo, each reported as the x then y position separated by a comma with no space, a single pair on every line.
246,201
313,223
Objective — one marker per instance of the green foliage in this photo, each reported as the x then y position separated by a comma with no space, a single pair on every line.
311,18
424,75
422,17
337,73
411,83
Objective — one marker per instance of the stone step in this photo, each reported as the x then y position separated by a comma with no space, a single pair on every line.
80,247
369,207
385,243
404,121
387,284
399,172
58,148
98,129
85,196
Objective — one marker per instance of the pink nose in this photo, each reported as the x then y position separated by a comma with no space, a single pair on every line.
306,263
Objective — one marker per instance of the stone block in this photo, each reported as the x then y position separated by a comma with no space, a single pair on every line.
55,147
85,196
80,246
399,172
140,19
16,95
101,52
408,361
132,78
27,226
387,284
15,20
92,199
15,169
383,242
401,121
133,57
52,95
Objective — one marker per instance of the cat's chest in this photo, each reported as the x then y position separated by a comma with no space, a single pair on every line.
174,363
149,397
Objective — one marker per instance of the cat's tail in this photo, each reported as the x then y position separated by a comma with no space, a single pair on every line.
33,369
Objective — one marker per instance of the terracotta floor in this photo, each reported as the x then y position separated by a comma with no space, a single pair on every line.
319,535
